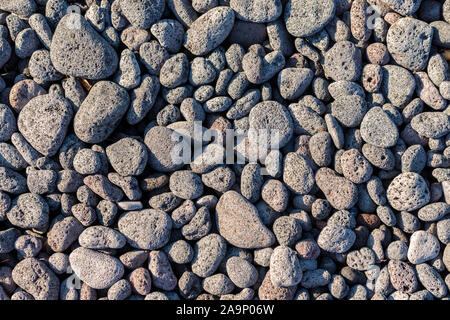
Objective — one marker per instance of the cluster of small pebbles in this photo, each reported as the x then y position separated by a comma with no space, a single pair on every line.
351,203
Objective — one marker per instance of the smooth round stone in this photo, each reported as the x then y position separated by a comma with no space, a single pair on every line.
285,269
142,13
37,279
78,50
336,239
431,124
414,159
423,246
44,122
407,192
239,223
101,112
306,17
97,270
259,11
378,129
409,43
209,30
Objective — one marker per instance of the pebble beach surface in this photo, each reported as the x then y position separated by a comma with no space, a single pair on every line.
224,150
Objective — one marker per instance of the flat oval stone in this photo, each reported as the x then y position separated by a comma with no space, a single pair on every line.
239,223
259,11
306,17
209,31
378,129
101,112
78,50
146,229
97,270
37,279
44,122
340,192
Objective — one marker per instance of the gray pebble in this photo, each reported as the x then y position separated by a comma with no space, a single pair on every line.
146,229
343,62
142,14
100,237
336,239
81,52
37,279
378,129
305,18
208,254
97,270
423,246
285,269
408,191
431,280
98,116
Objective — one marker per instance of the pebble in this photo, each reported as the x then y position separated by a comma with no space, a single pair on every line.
242,273
237,234
423,247
409,43
343,62
29,211
98,116
433,212
268,291
147,229
37,279
97,270
431,124
8,238
349,110
343,197
285,269
394,78
127,156
355,166
431,280
297,174
44,121
81,52
100,237
218,22
304,18
208,254
260,68
292,82
378,129
336,239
